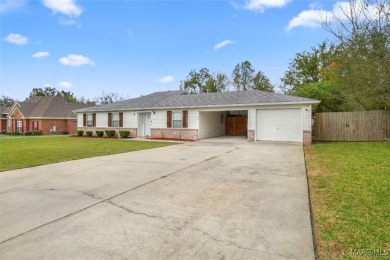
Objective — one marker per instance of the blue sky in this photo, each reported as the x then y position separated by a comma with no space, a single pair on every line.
138,47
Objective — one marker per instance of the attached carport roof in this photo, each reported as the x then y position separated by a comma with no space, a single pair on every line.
179,99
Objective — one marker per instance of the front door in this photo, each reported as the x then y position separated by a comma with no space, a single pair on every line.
146,123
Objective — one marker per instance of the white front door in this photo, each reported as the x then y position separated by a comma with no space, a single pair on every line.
146,123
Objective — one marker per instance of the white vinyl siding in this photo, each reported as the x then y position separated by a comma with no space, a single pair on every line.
130,119
159,119
193,119
80,120
210,125
251,119
101,119
279,125
306,118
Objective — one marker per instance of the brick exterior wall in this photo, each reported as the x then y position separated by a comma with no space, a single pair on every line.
47,124
62,125
251,136
133,131
306,137
3,124
71,125
175,133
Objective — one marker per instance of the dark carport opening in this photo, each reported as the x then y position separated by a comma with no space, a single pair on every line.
223,123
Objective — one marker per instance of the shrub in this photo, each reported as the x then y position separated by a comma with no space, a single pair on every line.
100,133
39,132
89,133
124,133
80,132
28,133
65,133
15,133
110,133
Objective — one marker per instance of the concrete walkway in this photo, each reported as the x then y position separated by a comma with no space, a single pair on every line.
225,199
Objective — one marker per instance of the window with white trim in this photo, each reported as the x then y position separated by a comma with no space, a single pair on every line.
115,120
19,125
89,120
9,125
177,119
35,127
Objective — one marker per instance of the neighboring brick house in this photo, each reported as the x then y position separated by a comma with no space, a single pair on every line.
258,115
4,111
47,114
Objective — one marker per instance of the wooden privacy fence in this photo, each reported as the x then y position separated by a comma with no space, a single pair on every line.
352,126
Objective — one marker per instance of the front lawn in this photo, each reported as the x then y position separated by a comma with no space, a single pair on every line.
350,197
32,151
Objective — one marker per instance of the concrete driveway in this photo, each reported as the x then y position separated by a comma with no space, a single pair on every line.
217,198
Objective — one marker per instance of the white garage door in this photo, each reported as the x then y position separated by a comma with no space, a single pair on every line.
279,125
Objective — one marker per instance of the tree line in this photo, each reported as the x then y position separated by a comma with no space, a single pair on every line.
353,71
244,77
68,96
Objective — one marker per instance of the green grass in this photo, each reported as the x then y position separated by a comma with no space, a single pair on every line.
350,197
25,152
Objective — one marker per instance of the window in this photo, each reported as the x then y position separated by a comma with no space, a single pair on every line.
9,125
89,120
35,126
177,119
19,125
115,120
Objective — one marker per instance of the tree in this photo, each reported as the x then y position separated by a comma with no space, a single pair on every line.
83,100
262,82
243,75
68,96
363,69
203,81
6,101
309,67
108,98
331,96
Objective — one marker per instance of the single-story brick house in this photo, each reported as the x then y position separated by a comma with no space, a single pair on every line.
255,114
47,114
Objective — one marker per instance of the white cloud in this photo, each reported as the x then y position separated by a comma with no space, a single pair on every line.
309,18
64,22
66,7
222,44
314,17
16,38
64,84
40,54
166,79
75,60
11,5
261,5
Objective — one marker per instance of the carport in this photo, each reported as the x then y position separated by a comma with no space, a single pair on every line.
222,123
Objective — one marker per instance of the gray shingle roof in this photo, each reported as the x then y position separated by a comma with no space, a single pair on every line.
5,110
177,99
52,106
